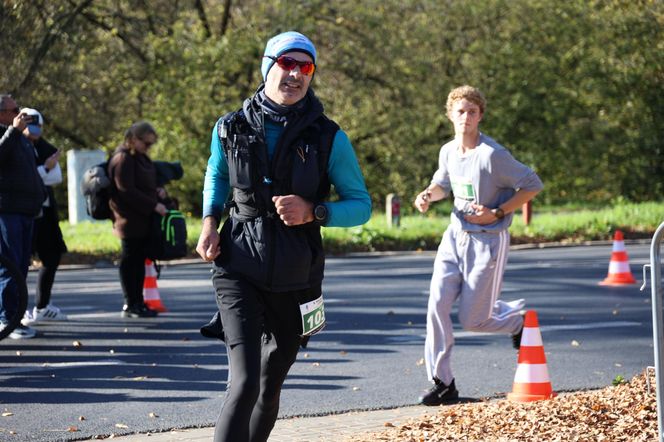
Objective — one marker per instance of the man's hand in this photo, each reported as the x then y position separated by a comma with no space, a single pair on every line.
21,121
423,200
208,243
294,210
161,209
51,161
432,193
482,215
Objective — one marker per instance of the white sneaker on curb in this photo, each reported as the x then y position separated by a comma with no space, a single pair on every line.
23,332
48,313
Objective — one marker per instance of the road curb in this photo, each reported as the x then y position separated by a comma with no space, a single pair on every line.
103,264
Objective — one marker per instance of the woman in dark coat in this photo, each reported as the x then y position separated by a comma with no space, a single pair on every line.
134,198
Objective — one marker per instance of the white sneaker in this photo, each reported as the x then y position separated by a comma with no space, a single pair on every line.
48,313
23,332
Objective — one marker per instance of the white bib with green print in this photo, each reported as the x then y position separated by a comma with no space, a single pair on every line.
313,316
462,187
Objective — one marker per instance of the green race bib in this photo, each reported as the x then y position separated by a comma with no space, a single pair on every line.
313,316
462,188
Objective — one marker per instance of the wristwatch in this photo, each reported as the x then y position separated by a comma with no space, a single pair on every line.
498,213
320,214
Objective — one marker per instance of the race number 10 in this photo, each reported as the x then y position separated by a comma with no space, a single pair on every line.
313,316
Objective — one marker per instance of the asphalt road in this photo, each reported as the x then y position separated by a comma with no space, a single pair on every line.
100,374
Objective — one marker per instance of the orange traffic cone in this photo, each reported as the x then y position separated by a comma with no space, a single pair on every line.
619,271
531,381
150,291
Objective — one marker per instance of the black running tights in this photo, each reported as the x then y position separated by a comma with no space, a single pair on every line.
252,402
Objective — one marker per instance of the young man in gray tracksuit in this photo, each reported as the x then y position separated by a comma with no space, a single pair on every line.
488,185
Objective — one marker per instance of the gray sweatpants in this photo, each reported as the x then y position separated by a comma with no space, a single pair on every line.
469,267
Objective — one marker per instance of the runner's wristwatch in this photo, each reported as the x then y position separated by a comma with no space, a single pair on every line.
321,214
498,213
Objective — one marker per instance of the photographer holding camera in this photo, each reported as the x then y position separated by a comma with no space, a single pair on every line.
48,243
22,194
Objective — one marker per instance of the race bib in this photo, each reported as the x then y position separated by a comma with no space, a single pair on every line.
462,188
313,316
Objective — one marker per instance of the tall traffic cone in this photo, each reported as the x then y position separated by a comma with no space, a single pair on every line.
619,271
531,381
150,291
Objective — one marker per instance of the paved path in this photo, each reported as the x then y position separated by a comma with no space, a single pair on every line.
138,376
332,428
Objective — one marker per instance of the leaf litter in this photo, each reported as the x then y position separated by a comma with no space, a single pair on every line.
624,412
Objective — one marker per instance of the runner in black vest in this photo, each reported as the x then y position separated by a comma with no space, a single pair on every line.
272,164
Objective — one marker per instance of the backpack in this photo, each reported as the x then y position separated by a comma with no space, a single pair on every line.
168,236
96,189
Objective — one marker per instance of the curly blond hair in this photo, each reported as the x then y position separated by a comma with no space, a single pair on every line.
469,93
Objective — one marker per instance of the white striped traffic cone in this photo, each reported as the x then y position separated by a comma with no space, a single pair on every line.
619,271
531,381
150,291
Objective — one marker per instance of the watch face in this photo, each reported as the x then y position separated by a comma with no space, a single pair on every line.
320,212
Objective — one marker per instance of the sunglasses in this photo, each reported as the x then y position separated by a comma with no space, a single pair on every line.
148,144
289,63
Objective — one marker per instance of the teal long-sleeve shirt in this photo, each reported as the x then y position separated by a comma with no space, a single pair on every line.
353,207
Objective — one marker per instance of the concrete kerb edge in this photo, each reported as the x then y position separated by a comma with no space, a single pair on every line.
418,409
188,261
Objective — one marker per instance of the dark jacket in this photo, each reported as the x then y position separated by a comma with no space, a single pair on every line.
255,242
47,238
44,150
21,188
133,192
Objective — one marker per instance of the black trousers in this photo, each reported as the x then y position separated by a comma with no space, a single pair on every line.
49,246
262,333
132,269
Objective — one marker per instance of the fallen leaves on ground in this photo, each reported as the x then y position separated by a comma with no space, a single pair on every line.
625,412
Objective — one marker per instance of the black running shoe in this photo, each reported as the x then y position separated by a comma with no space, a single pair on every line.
138,311
516,339
440,394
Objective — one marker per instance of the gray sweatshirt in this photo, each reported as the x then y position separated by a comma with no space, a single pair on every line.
487,175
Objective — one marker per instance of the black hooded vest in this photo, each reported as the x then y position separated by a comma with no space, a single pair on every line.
254,241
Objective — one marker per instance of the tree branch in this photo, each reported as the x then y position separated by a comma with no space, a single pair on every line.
96,21
49,39
63,131
226,18
203,17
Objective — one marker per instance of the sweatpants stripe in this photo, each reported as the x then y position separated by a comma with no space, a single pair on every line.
500,265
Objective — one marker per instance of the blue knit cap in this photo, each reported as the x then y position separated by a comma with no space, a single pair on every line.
287,42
